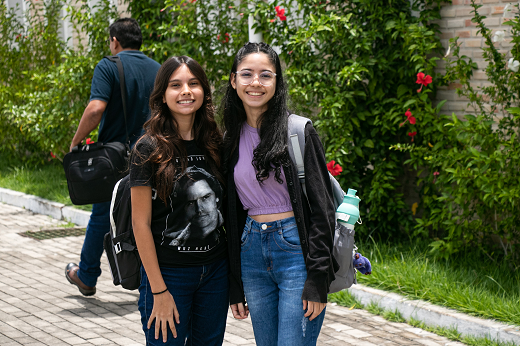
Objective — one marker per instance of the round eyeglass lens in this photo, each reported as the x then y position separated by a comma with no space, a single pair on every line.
265,78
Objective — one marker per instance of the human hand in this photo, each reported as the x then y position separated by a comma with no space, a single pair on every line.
240,311
164,310
313,309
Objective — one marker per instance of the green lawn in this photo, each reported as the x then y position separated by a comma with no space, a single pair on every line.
469,283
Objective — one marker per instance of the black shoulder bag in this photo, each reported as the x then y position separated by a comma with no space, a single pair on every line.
92,170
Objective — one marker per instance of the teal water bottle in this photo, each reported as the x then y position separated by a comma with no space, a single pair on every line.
348,211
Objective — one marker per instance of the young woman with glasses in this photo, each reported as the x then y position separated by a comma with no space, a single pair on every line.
280,252
176,212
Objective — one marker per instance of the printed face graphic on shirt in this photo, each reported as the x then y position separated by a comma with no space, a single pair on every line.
197,228
201,207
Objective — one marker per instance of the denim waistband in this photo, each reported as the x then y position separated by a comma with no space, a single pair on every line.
269,226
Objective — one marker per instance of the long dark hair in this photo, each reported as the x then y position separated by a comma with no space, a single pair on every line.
271,153
162,129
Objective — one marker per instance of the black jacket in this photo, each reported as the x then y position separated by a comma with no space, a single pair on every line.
316,229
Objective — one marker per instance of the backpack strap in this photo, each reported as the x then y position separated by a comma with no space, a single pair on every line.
112,203
296,144
122,84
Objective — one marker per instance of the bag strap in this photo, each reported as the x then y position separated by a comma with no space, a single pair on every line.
296,143
122,84
112,204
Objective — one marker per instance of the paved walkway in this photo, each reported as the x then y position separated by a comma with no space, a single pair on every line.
39,307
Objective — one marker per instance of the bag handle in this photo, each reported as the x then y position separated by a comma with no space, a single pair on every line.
121,71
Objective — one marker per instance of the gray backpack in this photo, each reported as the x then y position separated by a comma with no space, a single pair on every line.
343,238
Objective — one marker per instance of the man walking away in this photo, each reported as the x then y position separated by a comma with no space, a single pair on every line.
106,110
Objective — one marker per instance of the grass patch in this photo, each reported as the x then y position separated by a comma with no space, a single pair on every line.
344,298
468,283
46,181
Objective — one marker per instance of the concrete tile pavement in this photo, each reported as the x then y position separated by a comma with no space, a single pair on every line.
39,307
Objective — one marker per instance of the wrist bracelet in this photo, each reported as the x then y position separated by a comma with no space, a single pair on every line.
160,292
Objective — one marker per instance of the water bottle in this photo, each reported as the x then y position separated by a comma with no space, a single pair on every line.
348,211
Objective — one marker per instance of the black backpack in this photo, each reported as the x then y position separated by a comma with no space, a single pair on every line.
119,243
344,246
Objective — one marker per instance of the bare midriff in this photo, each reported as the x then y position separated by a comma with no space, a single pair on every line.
272,217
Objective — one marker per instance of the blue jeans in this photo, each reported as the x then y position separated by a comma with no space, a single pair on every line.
273,274
90,260
202,300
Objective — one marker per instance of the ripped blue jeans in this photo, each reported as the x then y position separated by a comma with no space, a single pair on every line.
274,273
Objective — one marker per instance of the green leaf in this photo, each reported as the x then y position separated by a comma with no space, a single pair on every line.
369,143
409,103
401,90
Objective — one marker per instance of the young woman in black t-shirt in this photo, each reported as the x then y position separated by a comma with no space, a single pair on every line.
176,212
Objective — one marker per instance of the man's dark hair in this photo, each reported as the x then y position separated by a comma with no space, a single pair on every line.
192,175
127,32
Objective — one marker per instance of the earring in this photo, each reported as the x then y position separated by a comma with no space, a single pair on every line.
217,199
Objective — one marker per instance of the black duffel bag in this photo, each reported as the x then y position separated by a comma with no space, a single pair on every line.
93,170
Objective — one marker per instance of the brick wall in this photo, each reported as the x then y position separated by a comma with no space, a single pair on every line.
456,21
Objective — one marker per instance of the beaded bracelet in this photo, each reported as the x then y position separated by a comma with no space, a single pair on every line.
159,292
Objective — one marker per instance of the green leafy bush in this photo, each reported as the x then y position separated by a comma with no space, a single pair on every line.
355,64
46,84
210,32
470,186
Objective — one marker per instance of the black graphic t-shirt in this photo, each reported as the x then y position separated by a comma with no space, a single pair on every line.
187,230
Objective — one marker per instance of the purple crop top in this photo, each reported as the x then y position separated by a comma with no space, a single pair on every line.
270,197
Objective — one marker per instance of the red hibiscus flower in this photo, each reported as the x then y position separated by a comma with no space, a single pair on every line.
333,168
435,175
412,134
90,141
280,13
409,117
52,155
423,80
225,39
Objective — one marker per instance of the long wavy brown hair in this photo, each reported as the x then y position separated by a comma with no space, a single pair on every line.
162,129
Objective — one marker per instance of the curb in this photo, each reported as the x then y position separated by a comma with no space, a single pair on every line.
43,206
434,315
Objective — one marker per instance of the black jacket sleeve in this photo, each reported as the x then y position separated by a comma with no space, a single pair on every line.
320,262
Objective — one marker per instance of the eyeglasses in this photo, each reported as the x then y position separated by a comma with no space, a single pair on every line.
108,40
265,78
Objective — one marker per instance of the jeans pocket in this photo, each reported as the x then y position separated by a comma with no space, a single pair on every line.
290,237
245,238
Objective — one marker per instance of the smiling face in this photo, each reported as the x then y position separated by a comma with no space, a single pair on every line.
184,94
254,96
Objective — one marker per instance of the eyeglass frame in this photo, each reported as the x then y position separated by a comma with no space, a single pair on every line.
255,75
